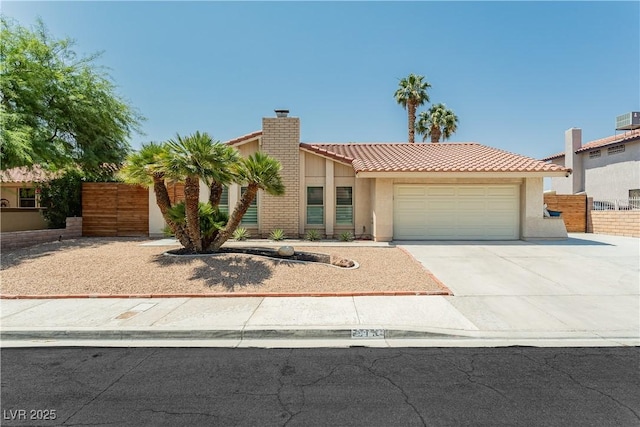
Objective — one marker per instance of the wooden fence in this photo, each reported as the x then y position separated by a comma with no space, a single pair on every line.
573,208
112,209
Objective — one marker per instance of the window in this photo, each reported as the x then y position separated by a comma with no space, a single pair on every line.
615,149
27,198
593,154
344,205
251,217
224,200
315,205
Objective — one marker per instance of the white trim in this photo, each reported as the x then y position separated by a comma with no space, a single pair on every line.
458,174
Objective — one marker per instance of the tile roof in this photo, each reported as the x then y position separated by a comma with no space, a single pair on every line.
615,139
421,157
602,142
25,174
244,138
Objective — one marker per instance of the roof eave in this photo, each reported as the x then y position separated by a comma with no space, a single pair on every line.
490,174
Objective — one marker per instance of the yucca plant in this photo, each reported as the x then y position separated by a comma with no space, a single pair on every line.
312,235
346,236
241,234
277,235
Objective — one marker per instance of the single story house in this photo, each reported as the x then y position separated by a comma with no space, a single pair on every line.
606,169
393,191
19,198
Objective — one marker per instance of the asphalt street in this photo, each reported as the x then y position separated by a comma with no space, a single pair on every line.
306,387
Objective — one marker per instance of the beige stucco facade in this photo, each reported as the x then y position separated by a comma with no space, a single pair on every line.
372,193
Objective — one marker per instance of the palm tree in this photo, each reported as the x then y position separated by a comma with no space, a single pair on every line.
190,159
142,168
259,172
437,122
411,94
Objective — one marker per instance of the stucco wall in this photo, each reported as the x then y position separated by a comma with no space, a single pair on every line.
611,176
21,219
533,224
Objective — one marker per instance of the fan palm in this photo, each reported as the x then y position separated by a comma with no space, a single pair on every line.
142,168
259,172
436,123
411,94
190,159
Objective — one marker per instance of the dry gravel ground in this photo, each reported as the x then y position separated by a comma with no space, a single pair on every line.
122,266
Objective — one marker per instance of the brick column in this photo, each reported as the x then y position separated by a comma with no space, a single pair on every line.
281,140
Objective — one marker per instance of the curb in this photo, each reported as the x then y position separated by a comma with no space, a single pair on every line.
251,334
445,292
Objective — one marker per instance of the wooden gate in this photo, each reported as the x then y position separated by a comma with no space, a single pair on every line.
111,209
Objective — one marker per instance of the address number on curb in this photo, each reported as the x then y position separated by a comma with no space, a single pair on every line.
367,333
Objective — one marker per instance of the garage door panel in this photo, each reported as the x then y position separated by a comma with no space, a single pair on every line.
441,191
450,212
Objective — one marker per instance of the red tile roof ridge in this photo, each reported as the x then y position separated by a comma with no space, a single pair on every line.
613,139
602,142
244,138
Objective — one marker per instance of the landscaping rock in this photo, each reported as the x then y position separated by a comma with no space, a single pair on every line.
286,251
343,262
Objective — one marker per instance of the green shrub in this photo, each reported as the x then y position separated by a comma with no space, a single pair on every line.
346,236
62,198
313,235
167,231
277,235
241,233
211,219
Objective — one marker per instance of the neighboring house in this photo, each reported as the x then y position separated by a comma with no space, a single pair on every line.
393,191
19,201
606,169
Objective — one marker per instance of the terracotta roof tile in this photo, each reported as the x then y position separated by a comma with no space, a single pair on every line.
602,142
553,156
420,157
25,174
615,139
244,138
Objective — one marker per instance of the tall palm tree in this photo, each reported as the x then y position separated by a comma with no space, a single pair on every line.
411,94
142,168
259,172
190,159
437,122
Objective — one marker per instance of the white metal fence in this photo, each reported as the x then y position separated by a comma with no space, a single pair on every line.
632,204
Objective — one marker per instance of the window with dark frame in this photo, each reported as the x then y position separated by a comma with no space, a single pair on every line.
315,205
27,198
344,205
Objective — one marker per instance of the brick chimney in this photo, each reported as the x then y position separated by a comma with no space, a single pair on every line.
281,140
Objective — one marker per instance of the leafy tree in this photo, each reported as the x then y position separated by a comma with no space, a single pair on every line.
437,122
58,109
62,198
411,94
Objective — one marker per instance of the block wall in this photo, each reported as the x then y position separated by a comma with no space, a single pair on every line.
20,239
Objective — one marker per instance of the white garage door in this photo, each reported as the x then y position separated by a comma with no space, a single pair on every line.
456,212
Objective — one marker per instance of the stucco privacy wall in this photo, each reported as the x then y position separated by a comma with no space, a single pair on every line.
533,224
20,239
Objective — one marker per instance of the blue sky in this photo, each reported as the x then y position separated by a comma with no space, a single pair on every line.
517,74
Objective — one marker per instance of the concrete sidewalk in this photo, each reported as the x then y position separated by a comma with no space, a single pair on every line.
581,292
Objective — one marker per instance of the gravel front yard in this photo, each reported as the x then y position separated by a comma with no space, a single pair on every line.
122,266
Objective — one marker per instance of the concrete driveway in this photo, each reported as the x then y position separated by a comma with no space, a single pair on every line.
588,283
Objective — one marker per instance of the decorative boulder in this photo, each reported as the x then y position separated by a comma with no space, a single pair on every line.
286,251
343,262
